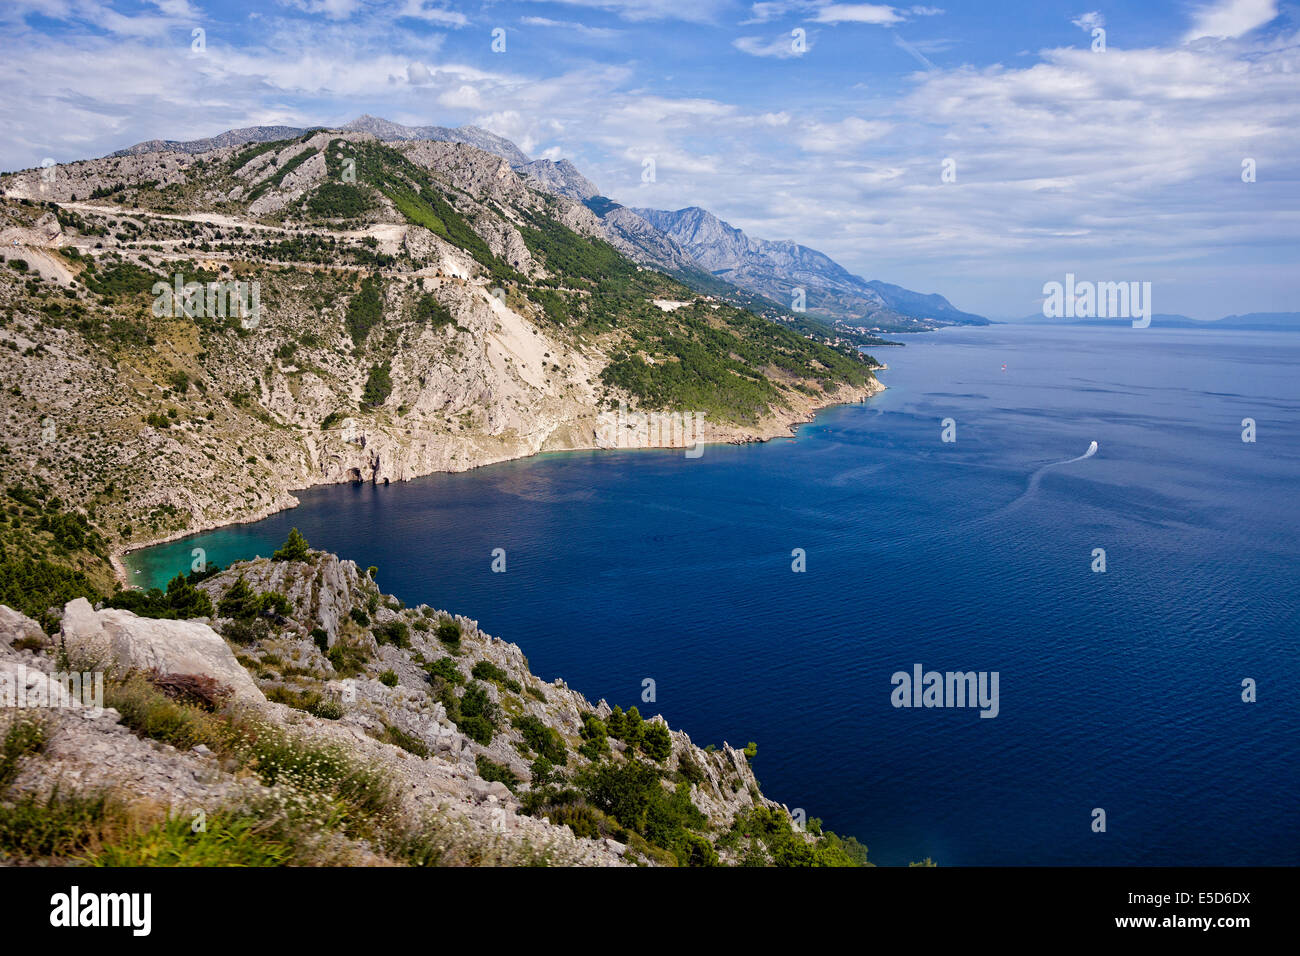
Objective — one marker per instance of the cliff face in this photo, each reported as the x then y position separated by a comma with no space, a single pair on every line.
338,664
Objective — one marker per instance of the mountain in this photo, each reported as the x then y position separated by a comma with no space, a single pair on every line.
387,131
690,244
561,178
1262,321
921,305
232,137
421,309
381,129
777,269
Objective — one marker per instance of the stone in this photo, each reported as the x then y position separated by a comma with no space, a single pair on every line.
15,627
109,637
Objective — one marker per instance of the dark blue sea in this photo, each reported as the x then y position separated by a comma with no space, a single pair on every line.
1119,690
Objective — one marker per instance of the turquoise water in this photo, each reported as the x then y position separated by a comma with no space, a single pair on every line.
1118,690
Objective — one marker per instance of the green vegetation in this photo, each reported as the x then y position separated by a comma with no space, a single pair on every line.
182,600
294,549
365,309
242,604
392,632
446,669
243,158
49,555
475,714
418,197
764,837
379,385
24,736
491,770
486,670
546,741
429,311
335,200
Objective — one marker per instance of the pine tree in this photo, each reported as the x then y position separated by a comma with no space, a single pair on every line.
295,548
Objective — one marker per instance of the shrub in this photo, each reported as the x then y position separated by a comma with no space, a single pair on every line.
347,659
449,631
26,735
196,690
614,723
491,770
408,742
365,309
360,616
633,727
477,729
242,604
593,749
583,820
547,741
445,667
379,385
388,678
657,743
392,632
486,670
182,600
295,548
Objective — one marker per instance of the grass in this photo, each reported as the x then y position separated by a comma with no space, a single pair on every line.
225,839
25,736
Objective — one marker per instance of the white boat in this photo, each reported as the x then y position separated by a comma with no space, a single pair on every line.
1092,450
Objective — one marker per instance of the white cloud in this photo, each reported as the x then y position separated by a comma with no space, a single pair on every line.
1231,18
330,9
781,47
463,97
1087,22
692,11
859,13
602,33
432,13
842,137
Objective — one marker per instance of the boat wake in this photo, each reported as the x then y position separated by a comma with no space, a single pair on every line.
1036,478
1031,489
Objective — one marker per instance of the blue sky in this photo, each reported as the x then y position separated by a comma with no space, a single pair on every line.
1115,164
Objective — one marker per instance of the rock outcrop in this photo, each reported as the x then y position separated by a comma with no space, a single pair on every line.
120,638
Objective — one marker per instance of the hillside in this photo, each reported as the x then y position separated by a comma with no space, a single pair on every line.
420,308
286,712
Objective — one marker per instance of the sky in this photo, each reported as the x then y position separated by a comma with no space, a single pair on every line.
977,149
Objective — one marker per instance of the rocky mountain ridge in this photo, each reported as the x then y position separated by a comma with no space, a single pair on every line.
679,242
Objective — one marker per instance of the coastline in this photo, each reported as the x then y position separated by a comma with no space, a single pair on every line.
771,428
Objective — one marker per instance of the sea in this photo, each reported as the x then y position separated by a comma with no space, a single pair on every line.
1138,607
